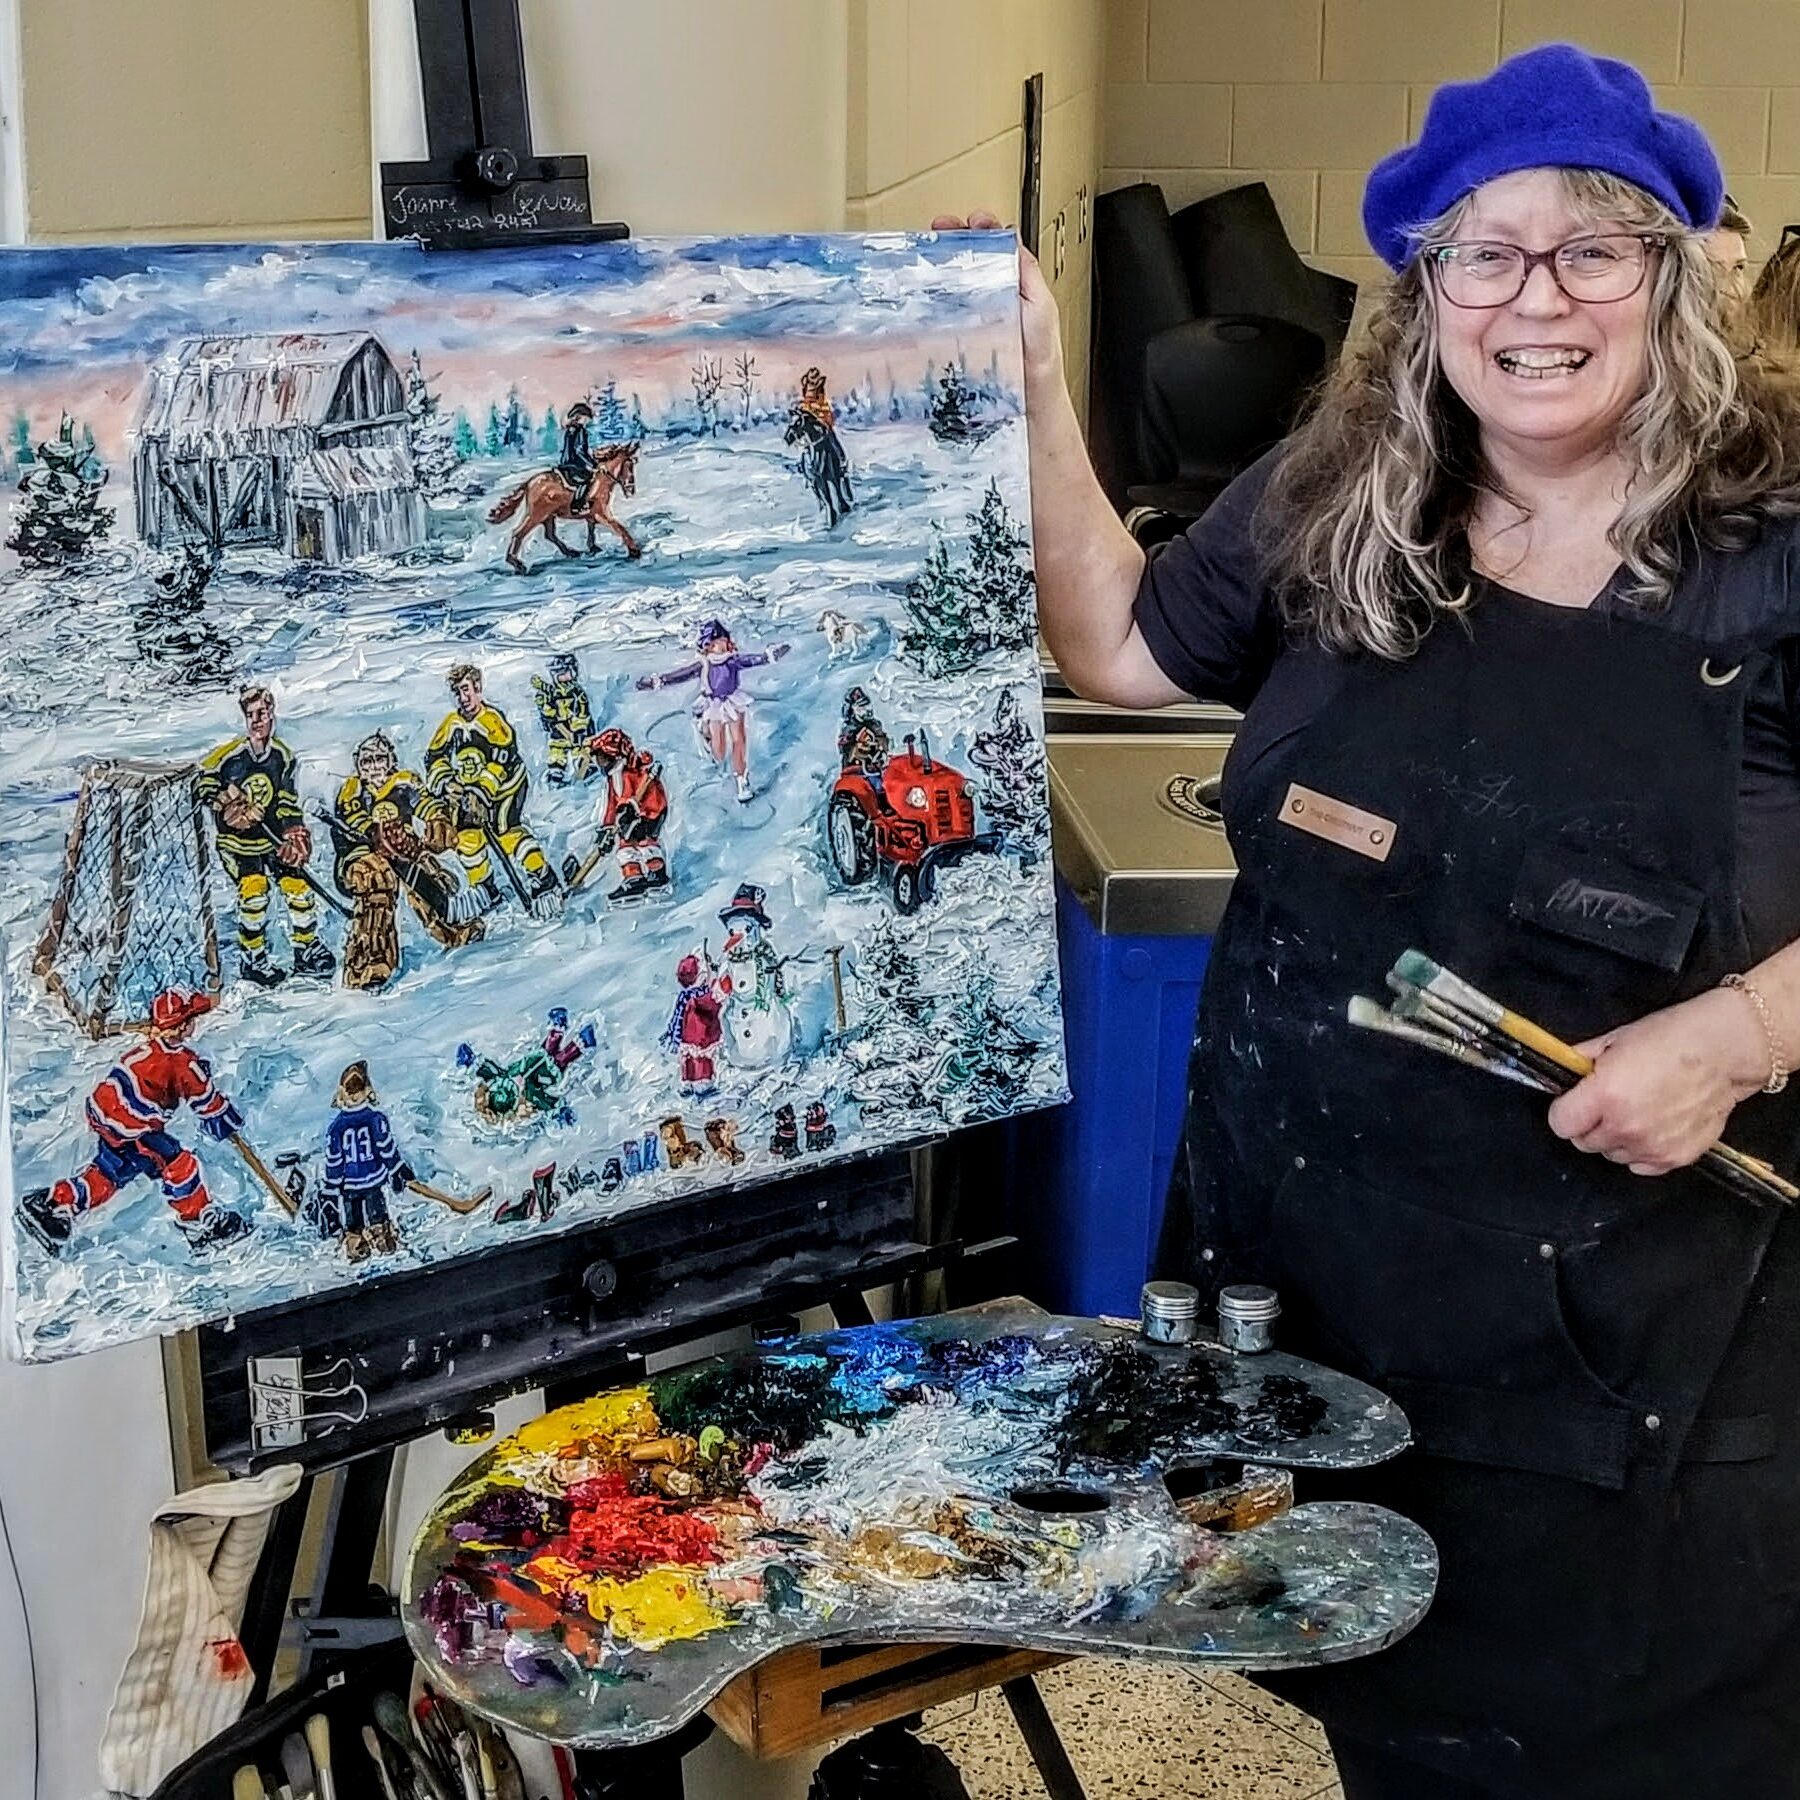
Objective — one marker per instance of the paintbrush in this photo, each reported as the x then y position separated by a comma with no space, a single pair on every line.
372,1744
484,1763
392,1721
318,1744
247,1784
1729,1168
1371,1015
1432,978
468,1764
297,1766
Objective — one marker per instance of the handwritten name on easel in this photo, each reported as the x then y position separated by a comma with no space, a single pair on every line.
520,209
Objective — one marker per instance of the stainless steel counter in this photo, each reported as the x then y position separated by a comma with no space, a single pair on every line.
1136,832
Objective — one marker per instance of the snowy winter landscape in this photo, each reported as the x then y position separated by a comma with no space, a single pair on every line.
149,578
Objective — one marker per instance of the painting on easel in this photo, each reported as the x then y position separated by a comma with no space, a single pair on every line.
492,740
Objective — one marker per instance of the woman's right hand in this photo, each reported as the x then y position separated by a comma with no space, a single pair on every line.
1037,305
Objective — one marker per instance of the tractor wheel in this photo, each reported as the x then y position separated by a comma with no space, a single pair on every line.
906,889
850,832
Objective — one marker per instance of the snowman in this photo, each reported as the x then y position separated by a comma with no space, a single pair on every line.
759,1017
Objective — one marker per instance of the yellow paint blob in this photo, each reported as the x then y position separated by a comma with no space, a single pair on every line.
652,1609
607,1425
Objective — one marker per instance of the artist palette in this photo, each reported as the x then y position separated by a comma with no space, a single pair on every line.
997,1477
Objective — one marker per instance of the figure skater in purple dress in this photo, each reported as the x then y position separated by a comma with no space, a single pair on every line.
723,705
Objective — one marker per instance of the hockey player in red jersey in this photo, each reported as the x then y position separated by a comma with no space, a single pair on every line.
129,1114
632,813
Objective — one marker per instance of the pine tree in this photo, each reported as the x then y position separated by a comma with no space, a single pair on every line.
952,410
463,435
893,1055
59,519
1004,585
23,455
895,411
928,387
512,436
493,438
612,423
959,612
635,425
428,432
986,1061
550,434
941,638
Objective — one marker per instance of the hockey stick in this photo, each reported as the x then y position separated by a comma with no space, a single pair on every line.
260,1170
479,1198
305,874
344,840
491,838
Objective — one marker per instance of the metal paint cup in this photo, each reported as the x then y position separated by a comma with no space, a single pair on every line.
1169,1312
1246,1318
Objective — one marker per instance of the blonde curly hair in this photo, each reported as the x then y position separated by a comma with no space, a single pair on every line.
1362,526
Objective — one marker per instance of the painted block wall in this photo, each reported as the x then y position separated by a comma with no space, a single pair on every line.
1306,95
936,98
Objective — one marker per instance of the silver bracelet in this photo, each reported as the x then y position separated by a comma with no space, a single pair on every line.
1778,1063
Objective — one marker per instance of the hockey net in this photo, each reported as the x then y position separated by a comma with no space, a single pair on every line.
133,913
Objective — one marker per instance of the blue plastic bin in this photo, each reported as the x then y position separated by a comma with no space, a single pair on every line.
1087,1181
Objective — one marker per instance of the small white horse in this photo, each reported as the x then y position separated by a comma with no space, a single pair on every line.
844,636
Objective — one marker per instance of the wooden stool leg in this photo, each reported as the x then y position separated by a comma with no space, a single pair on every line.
1038,1730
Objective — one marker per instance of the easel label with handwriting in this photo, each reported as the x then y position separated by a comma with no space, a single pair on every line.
1338,822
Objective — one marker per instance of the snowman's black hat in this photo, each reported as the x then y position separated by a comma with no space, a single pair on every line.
746,903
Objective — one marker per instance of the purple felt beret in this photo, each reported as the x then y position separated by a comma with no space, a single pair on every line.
1553,107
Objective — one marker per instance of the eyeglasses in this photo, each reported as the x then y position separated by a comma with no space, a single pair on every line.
1593,270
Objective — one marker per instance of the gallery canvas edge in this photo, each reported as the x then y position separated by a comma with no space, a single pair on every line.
135,635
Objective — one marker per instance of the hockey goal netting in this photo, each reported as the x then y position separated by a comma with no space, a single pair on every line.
133,912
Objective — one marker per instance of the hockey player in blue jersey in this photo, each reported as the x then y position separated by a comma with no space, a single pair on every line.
362,1162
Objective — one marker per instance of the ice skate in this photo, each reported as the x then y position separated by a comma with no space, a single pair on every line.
745,792
357,1247
383,1238
254,965
48,1223
314,960
632,889
215,1226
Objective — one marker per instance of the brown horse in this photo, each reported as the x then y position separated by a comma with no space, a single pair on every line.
549,496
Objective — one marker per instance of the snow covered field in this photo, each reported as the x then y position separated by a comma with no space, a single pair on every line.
89,670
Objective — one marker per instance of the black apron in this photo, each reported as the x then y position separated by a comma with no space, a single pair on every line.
1602,1370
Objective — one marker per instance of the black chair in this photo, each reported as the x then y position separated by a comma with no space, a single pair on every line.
1209,333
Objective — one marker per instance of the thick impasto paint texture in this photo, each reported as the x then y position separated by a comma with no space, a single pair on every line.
1001,1476
490,740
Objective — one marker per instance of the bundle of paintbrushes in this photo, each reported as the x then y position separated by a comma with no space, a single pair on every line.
1439,1011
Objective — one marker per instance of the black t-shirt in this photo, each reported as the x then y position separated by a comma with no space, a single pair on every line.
1207,615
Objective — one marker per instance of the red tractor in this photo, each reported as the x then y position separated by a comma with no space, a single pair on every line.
909,820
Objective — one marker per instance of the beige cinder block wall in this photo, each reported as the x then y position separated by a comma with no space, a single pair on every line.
1307,94
194,118
936,98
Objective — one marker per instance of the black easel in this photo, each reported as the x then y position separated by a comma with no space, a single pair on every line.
482,183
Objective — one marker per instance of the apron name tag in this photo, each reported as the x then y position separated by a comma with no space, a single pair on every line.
1338,822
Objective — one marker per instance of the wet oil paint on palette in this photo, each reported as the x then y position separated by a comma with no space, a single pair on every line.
492,740
1001,1477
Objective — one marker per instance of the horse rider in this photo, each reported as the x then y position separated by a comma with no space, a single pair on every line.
577,466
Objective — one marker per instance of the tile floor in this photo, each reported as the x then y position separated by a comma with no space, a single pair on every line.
1150,1733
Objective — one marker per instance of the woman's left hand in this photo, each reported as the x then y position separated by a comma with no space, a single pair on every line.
1663,1087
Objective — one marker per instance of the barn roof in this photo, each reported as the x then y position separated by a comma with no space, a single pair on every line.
340,472
225,388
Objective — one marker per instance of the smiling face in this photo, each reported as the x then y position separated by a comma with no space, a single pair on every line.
1544,372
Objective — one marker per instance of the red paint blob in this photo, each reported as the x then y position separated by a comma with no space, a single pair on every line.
229,1658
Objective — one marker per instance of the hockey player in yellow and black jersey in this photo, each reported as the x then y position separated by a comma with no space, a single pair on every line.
474,767
252,788
385,830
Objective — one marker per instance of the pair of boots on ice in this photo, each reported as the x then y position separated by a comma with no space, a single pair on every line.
784,1140
683,1152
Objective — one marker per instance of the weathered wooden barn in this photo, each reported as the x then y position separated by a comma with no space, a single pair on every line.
297,441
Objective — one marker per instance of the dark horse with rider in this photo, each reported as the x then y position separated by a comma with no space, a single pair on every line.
813,424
